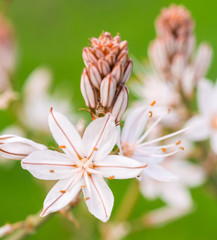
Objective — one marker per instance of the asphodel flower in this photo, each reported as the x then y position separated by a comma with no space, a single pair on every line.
134,142
204,125
82,166
108,68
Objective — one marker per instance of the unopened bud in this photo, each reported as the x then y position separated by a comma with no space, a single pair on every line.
87,90
202,60
121,103
107,70
107,91
94,75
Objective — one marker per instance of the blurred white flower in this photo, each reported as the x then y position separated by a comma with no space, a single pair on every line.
164,93
175,193
37,101
82,166
204,125
132,143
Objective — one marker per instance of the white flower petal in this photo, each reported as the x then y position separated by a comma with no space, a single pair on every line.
99,199
17,148
65,133
204,96
176,195
148,187
119,167
214,142
159,173
100,137
63,192
199,128
134,124
49,165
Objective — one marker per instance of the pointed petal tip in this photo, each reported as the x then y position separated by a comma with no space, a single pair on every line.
43,213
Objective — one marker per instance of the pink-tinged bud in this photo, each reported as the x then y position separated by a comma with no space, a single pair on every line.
122,58
107,91
202,60
128,71
104,67
117,72
124,45
87,90
175,21
98,53
88,56
110,58
178,65
108,68
120,104
94,75
158,54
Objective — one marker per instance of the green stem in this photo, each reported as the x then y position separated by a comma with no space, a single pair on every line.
128,202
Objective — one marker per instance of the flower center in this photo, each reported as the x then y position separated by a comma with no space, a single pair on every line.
127,149
214,122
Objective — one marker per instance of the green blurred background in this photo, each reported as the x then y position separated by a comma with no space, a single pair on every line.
53,32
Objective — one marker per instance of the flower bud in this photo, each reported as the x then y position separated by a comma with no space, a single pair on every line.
107,91
120,104
202,60
94,75
87,90
107,70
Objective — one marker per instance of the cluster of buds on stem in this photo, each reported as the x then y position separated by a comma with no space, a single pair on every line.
171,52
103,81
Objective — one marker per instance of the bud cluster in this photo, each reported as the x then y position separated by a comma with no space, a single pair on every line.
103,81
171,52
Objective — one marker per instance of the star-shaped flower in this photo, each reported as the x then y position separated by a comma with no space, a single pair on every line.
204,125
82,166
134,144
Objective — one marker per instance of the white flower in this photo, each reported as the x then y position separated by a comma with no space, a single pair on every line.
132,143
37,100
175,193
83,165
164,93
16,148
204,125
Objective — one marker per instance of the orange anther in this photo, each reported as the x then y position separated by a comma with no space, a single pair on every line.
87,198
151,114
83,186
178,142
112,177
51,171
163,149
62,146
62,191
95,149
153,103
182,148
